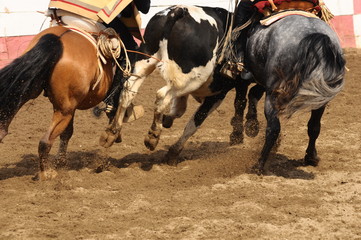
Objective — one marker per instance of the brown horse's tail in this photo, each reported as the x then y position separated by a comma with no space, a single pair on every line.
27,76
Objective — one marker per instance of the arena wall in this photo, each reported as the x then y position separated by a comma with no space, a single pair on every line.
20,20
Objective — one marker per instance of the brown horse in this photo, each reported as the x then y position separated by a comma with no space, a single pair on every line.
64,64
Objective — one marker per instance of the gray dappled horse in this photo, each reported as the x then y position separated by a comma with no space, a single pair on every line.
299,62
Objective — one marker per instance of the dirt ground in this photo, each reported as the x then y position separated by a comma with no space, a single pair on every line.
209,195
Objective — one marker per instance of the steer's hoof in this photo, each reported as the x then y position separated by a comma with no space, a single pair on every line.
152,139
171,158
167,121
108,138
151,143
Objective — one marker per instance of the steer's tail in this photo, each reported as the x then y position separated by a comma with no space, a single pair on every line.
173,16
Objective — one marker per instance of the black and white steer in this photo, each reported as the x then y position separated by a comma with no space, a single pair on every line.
184,43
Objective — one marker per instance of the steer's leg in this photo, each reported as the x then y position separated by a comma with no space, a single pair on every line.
142,69
207,107
163,98
177,109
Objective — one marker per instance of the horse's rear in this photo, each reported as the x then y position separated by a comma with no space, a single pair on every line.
299,61
63,64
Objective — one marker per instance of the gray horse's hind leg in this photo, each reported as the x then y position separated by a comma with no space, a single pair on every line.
272,131
252,124
314,127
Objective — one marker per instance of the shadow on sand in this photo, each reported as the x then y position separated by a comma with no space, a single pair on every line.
277,165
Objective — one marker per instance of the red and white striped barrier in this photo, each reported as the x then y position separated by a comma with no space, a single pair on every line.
347,21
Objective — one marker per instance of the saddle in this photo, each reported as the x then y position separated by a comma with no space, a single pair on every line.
268,7
282,8
274,10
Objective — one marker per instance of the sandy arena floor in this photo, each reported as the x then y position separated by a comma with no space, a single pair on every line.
209,195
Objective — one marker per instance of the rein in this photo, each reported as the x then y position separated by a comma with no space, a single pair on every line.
147,55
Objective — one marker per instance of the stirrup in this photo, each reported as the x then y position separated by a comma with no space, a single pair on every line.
109,108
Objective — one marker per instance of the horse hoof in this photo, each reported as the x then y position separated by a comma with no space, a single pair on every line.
60,162
236,138
45,175
3,133
257,169
311,161
252,128
167,121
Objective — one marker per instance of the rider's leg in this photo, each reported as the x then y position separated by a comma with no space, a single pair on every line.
234,65
112,99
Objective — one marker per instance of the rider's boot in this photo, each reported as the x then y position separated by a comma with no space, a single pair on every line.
112,99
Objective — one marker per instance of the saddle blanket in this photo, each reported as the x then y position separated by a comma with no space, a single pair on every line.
277,16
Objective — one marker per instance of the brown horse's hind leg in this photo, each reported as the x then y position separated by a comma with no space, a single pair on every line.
63,146
3,132
59,123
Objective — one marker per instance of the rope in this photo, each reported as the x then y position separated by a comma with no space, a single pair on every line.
93,41
227,38
110,46
147,55
326,14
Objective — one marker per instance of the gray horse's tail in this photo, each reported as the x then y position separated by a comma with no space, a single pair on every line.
316,78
